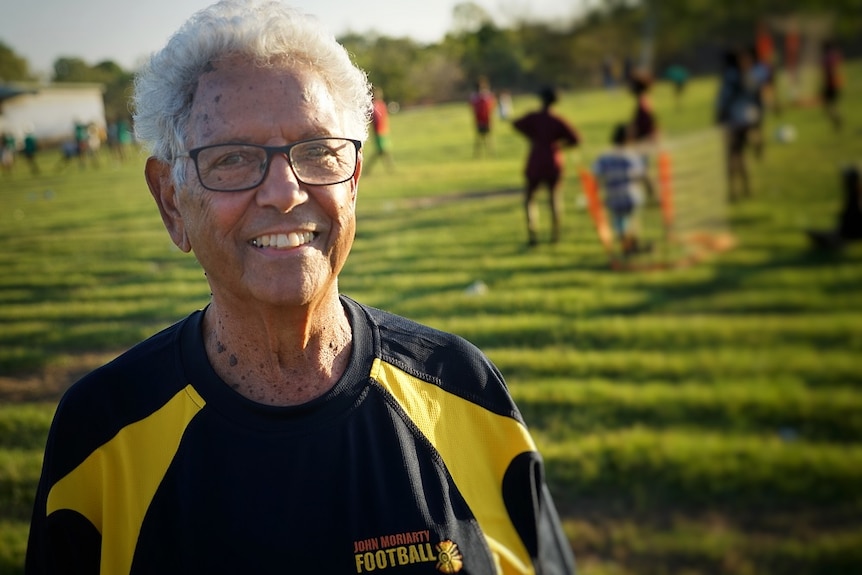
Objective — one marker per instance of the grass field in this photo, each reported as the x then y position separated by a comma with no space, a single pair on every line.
694,419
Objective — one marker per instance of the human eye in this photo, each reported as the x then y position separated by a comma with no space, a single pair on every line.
323,161
231,158
320,152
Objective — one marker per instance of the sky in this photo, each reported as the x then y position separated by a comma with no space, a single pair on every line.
126,31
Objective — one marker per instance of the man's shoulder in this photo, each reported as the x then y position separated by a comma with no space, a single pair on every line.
441,358
157,348
396,331
143,370
126,390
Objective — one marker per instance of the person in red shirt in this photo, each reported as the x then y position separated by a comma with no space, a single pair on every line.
380,127
548,134
792,49
765,54
483,102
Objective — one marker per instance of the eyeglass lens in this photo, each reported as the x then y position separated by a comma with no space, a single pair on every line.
228,167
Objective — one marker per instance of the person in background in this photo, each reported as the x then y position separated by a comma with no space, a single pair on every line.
848,227
738,111
119,138
548,133
644,120
757,79
504,105
8,147
380,127
622,173
608,70
644,124
764,49
82,141
482,102
831,81
30,150
285,427
793,60
678,76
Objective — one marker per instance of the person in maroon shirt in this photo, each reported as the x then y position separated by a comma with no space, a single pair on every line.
644,121
548,134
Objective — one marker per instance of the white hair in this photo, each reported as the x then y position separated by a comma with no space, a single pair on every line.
266,31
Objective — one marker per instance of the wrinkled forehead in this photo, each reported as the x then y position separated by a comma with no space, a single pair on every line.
235,94
244,78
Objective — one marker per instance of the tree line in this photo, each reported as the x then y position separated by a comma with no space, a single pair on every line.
528,53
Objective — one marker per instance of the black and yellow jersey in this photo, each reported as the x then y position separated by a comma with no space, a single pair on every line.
417,461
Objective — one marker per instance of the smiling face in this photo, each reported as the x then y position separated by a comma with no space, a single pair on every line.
281,243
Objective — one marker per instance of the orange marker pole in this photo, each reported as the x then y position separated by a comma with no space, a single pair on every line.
597,213
665,189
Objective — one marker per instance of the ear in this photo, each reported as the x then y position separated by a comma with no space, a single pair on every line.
355,179
161,184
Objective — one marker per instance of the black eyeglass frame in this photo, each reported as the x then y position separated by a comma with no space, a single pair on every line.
270,152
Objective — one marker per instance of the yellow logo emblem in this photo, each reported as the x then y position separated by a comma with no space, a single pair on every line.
448,557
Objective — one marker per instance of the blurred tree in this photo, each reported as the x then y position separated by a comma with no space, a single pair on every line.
12,66
435,76
406,71
548,57
569,53
490,52
482,48
468,17
530,52
68,69
387,61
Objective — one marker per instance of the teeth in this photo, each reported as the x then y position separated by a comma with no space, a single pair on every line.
281,241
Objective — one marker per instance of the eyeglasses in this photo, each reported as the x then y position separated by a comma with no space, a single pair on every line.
240,167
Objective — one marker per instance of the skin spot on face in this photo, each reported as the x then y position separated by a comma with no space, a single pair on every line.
220,347
233,360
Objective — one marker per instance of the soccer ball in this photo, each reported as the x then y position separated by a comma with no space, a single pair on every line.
785,134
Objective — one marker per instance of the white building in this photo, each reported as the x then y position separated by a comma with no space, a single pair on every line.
50,111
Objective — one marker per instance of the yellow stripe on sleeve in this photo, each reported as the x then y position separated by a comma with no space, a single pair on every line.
464,433
114,486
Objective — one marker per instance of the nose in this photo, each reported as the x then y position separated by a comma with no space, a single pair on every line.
280,188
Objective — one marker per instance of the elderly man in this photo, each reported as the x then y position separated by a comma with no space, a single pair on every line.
285,428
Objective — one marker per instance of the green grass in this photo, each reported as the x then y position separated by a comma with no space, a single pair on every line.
694,419
25,426
13,546
19,474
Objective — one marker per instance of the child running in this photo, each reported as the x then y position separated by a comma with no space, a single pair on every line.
622,172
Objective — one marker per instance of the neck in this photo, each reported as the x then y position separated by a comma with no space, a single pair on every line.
275,355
